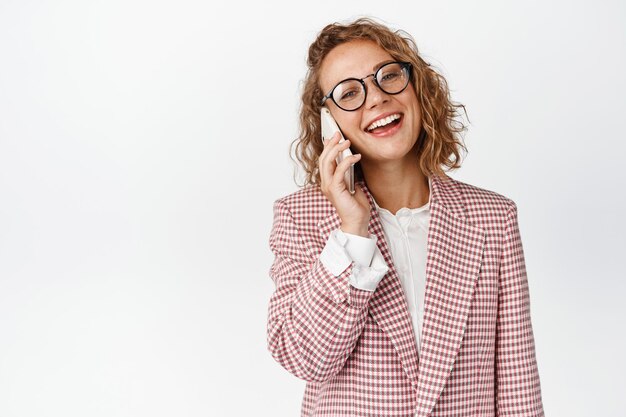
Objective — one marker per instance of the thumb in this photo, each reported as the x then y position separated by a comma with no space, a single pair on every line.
361,197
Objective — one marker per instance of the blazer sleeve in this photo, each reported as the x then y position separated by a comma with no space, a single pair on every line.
518,391
314,318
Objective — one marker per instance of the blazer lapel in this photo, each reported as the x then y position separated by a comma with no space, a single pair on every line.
455,252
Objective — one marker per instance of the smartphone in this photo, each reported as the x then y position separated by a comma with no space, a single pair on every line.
329,127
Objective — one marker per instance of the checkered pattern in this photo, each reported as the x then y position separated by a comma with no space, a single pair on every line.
357,349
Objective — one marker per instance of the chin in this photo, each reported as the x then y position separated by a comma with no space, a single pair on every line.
391,155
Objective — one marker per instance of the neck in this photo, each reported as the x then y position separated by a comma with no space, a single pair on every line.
396,184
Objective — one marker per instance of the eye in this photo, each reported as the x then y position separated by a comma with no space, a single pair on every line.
390,76
350,94
348,91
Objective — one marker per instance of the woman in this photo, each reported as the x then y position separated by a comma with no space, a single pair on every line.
408,297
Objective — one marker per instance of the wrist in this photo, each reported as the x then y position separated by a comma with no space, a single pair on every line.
358,230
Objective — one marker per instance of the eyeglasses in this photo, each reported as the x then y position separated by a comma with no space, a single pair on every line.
350,94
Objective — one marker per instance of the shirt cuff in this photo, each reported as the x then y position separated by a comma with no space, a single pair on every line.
367,278
359,248
334,255
343,248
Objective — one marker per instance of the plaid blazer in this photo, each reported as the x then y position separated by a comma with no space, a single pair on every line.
357,350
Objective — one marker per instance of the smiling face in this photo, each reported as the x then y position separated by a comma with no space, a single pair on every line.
385,129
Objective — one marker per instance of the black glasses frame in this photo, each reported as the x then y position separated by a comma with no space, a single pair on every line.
404,65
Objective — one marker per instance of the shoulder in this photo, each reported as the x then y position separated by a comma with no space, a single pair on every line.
308,201
482,205
300,213
478,195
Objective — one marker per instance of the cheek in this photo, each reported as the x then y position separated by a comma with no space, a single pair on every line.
349,123
417,114
413,103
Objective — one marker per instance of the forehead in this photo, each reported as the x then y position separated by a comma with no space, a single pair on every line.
354,59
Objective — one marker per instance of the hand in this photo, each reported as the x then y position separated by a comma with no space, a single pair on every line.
353,210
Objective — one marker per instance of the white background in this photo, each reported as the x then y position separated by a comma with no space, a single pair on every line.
142,144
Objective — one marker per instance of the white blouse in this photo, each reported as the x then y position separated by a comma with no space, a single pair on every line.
406,234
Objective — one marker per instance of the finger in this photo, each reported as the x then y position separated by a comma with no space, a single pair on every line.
340,172
361,197
338,148
326,167
333,139
330,145
327,161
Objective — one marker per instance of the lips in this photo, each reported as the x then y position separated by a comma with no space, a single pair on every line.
384,124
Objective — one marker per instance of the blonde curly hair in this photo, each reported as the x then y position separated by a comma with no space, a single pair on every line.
440,140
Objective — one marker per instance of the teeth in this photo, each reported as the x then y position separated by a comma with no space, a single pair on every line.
383,122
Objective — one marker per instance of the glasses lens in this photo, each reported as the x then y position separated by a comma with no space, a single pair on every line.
392,78
349,94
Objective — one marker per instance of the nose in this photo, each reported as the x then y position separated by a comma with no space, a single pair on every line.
375,96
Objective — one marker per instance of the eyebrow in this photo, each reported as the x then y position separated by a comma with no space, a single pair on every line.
374,68
380,64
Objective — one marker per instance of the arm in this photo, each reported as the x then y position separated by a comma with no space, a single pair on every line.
518,391
315,317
